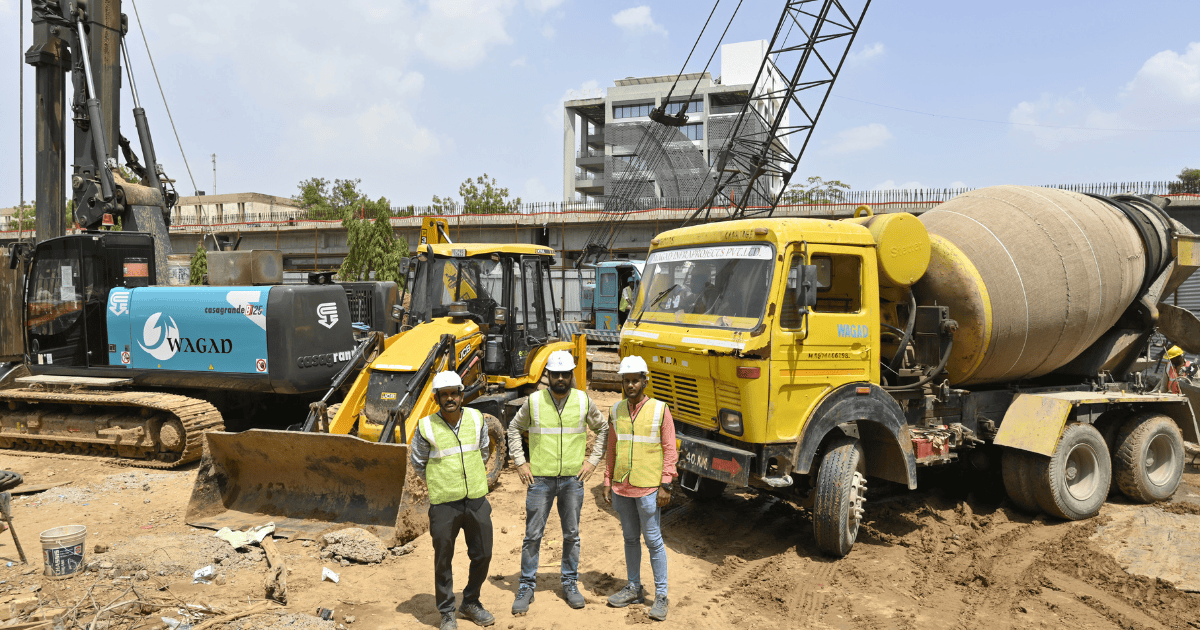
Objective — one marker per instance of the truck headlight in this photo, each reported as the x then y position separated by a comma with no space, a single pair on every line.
731,422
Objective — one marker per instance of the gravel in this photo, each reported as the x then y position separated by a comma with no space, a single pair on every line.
290,621
176,555
355,544
78,495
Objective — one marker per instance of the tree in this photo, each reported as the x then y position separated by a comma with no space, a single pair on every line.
479,196
1189,181
815,191
373,245
322,199
199,264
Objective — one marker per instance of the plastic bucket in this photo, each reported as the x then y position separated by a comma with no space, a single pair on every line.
62,549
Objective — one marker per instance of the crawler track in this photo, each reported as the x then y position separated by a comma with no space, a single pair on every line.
128,426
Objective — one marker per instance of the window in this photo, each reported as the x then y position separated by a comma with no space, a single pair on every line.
839,287
632,111
722,286
693,132
608,285
694,107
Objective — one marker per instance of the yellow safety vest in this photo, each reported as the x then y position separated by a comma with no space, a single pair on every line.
639,456
455,469
557,442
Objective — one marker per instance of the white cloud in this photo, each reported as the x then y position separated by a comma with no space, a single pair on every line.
958,184
519,62
541,6
457,33
862,138
1163,95
548,32
891,185
637,21
866,53
534,190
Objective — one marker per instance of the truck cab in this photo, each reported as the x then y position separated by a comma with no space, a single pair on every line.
601,300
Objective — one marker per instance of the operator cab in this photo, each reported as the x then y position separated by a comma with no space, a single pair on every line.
505,289
67,289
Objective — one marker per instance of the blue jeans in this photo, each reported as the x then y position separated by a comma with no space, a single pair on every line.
641,518
538,501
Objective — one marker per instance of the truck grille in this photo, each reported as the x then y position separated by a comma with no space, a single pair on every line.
690,400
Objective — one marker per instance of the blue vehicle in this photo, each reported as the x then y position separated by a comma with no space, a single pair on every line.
113,366
603,317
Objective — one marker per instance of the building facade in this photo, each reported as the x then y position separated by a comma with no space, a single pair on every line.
233,208
603,138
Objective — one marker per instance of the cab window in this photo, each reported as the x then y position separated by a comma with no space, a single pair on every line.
839,286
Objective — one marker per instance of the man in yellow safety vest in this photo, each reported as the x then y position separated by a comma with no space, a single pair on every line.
557,420
447,452
641,457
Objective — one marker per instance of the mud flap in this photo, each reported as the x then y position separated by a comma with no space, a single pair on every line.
307,483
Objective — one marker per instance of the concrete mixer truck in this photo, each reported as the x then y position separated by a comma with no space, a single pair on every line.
805,357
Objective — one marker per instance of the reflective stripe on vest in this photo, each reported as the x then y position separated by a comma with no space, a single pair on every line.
557,441
639,456
455,469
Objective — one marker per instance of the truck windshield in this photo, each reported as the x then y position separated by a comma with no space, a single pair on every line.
719,286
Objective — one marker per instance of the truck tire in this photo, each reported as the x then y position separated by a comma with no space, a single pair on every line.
707,490
1073,483
841,488
1018,480
1148,458
497,450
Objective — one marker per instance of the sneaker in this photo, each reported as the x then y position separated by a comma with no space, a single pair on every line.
631,594
477,613
448,622
523,600
572,595
658,611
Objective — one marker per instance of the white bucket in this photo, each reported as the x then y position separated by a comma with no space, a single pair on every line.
179,269
62,550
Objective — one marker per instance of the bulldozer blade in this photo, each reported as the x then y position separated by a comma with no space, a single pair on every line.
307,483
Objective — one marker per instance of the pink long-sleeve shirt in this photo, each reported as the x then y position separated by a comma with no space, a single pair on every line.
670,455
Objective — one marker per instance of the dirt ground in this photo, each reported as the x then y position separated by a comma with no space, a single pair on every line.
945,556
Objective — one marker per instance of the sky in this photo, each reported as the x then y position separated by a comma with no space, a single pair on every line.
414,96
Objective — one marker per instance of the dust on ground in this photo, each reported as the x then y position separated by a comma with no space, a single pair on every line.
948,556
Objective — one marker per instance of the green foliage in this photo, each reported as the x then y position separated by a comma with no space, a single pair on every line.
1189,181
322,199
199,264
373,245
479,196
815,191
25,218
128,175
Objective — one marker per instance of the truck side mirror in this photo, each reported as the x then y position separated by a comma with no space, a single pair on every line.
403,267
806,288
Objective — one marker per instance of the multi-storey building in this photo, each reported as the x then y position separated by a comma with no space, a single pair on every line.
604,137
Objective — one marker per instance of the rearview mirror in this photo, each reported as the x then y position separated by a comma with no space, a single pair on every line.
806,288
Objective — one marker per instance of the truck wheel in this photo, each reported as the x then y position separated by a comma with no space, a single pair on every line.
497,449
1018,480
1148,458
1073,483
707,490
841,490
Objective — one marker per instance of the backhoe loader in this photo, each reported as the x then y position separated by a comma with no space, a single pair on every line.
483,310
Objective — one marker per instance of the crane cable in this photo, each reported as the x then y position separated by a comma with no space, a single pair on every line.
694,45
164,98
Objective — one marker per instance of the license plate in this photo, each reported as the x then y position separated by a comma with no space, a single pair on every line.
715,461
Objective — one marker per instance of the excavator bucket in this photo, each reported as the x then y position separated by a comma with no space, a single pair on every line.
307,483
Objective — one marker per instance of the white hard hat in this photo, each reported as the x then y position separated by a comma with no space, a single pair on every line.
447,380
633,365
560,361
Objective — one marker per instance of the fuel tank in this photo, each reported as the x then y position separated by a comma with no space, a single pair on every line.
1035,276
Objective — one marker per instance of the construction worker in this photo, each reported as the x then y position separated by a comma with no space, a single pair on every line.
626,301
556,420
1178,367
637,481
447,452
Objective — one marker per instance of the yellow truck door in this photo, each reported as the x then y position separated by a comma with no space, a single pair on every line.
836,343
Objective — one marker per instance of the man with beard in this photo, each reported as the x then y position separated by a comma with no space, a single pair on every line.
557,420
447,452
